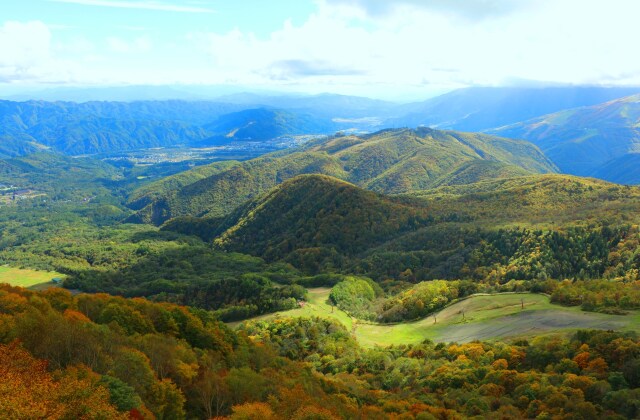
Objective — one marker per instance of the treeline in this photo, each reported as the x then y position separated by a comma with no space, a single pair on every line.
603,296
364,299
111,357
236,286
136,261
595,374
498,256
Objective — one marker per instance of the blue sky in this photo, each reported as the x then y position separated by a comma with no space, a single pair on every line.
381,48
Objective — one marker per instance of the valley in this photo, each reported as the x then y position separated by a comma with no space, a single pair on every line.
367,265
319,210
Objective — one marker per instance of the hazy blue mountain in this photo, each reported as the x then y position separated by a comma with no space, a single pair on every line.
623,170
483,108
323,105
113,93
265,124
588,141
102,127
130,93
96,127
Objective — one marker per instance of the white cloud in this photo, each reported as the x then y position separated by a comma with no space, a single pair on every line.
342,48
24,47
141,5
138,45
567,42
470,9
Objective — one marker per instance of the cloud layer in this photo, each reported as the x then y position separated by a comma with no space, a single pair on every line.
353,46
471,9
140,5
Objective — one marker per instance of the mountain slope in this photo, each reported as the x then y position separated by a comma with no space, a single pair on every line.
535,199
390,161
220,193
483,108
532,227
312,211
61,178
622,170
583,140
102,127
265,124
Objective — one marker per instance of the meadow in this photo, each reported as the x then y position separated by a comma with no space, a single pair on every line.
27,278
480,317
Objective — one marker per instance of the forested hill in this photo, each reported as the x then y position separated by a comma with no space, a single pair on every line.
389,161
264,124
601,140
544,225
317,211
57,177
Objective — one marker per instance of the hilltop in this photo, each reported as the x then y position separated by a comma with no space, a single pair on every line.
315,211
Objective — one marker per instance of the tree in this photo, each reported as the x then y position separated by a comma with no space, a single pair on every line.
28,391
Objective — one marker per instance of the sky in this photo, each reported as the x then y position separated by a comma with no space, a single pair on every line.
377,48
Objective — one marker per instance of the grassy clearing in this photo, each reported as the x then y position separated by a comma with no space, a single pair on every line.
485,318
494,317
317,305
27,278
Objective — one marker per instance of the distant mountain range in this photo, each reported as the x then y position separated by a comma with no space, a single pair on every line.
107,127
601,140
389,161
100,127
584,130
484,108
263,124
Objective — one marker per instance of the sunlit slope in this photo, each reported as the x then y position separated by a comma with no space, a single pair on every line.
390,161
489,317
589,141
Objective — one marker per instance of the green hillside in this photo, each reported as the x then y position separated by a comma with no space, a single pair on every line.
586,141
390,161
225,190
526,228
479,170
539,200
58,177
315,211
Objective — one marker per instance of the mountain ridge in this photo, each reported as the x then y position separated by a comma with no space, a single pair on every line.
584,141
390,161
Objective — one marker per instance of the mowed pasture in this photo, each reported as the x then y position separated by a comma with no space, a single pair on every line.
24,277
483,317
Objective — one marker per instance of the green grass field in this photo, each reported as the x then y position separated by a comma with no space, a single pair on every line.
485,318
27,278
316,306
